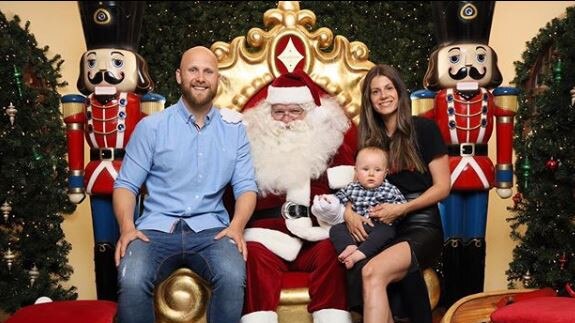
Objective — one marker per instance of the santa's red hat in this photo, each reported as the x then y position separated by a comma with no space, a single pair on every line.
293,88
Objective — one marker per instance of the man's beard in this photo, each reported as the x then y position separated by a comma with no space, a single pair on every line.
286,156
194,100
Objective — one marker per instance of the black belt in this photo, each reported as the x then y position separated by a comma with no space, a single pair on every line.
106,153
274,212
290,211
467,150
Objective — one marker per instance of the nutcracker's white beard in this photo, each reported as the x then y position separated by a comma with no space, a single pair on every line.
286,156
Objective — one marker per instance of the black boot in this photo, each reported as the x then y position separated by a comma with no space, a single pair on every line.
474,266
106,272
452,272
414,292
396,303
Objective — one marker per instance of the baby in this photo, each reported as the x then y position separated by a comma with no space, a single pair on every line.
369,188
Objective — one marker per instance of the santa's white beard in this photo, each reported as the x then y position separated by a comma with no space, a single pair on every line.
288,156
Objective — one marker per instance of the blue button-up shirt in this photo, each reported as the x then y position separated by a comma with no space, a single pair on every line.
186,169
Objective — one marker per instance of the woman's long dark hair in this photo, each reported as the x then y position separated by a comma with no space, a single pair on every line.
402,146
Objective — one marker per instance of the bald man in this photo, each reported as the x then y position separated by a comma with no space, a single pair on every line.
186,155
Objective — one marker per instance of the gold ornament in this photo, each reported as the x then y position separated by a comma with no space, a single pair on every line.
34,274
527,278
6,209
9,256
11,112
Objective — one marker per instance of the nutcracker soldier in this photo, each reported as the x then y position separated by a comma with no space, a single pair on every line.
458,96
116,81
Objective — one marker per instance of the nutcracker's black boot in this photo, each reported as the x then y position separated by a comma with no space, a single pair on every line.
106,272
452,270
474,266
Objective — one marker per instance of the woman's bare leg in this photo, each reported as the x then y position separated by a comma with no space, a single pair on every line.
388,266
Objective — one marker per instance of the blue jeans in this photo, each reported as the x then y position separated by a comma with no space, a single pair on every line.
146,264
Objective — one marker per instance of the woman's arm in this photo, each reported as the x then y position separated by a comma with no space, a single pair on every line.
439,170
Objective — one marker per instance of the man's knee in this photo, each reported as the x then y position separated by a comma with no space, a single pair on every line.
134,279
233,280
135,272
229,269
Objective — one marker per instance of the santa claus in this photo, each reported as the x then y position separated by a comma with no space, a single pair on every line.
295,136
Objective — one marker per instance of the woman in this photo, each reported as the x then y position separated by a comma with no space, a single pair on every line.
419,168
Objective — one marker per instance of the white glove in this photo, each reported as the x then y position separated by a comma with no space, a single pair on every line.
76,198
504,193
328,209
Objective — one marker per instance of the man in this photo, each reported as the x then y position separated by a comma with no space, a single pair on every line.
114,78
186,155
462,70
295,136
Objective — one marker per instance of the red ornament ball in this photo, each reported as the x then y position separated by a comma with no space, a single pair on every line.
552,164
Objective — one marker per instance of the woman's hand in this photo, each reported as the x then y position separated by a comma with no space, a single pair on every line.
354,223
388,213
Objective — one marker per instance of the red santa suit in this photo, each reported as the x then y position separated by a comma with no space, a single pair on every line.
291,163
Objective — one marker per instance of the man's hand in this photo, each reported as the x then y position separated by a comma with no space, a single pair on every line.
237,237
124,241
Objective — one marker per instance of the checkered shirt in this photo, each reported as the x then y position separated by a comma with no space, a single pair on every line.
362,199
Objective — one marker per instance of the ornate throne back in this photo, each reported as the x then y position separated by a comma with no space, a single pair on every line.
247,65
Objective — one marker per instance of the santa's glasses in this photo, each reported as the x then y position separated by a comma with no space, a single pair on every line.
279,114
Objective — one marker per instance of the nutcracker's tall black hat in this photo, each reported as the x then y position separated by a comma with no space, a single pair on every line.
112,24
463,21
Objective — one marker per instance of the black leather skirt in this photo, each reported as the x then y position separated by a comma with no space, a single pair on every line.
424,233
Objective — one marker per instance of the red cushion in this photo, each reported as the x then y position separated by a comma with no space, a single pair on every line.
537,310
506,300
66,312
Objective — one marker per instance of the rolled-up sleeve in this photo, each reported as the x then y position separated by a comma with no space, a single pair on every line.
138,159
243,179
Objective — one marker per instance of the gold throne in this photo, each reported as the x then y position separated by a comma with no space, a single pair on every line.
247,65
